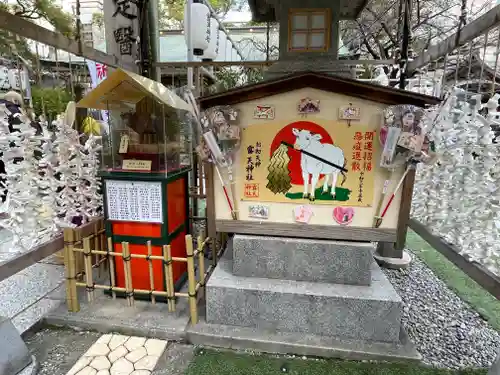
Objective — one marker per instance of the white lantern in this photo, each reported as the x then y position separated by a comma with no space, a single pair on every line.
212,51
200,27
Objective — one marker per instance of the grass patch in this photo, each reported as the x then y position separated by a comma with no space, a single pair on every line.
466,288
211,362
341,195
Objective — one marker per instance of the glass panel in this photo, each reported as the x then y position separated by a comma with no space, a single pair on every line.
299,21
317,40
318,21
299,40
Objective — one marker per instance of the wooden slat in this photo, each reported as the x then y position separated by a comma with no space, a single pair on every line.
474,270
326,232
469,32
27,29
257,64
26,259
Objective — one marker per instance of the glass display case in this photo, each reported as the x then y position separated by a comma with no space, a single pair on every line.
145,136
146,160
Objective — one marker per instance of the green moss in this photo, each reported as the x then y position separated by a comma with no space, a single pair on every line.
211,362
341,195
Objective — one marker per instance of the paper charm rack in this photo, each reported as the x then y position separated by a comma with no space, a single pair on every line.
146,161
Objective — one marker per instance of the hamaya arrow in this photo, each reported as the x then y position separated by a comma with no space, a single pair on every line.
315,157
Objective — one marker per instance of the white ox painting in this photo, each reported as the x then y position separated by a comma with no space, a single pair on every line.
312,166
302,161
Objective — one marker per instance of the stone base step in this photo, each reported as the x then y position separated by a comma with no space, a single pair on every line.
302,259
241,338
350,311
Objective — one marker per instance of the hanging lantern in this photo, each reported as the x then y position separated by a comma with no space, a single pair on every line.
200,27
212,50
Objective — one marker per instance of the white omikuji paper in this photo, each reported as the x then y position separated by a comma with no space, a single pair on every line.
134,201
458,197
34,210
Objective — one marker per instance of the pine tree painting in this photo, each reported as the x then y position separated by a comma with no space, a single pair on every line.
279,180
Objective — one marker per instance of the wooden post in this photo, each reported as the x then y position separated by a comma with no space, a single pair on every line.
111,261
209,172
193,308
151,277
210,209
404,212
69,260
88,268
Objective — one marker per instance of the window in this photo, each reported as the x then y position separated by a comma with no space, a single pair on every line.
309,30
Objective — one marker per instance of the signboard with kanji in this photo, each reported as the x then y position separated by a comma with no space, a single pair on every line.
309,161
122,29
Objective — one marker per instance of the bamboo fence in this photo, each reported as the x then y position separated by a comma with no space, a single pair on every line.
82,256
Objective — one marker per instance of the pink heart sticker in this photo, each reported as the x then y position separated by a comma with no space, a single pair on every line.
343,215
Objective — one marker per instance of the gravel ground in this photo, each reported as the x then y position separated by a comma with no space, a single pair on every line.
446,330
57,349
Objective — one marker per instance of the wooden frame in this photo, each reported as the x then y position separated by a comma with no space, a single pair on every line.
325,232
320,81
309,31
474,270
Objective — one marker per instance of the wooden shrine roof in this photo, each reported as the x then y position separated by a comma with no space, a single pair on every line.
325,82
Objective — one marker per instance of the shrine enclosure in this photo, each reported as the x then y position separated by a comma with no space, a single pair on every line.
358,189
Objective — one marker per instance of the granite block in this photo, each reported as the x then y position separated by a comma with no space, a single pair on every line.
302,259
352,311
14,355
244,338
495,368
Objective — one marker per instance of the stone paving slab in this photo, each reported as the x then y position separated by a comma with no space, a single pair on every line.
108,315
27,287
114,354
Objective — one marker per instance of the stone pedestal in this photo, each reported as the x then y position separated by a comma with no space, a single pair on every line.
14,354
327,288
495,369
302,259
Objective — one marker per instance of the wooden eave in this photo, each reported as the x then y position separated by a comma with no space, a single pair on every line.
325,82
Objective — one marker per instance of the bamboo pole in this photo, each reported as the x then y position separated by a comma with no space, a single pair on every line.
129,275
171,276
88,269
136,291
97,247
166,272
125,257
79,256
111,261
102,240
69,262
201,260
151,277
136,256
191,280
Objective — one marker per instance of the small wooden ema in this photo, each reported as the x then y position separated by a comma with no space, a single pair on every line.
326,125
